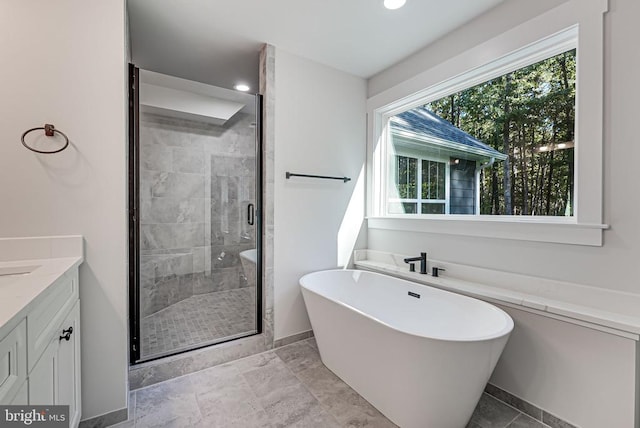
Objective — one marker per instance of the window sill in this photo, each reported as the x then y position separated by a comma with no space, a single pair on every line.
554,230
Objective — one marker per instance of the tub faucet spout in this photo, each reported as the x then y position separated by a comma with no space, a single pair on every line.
422,259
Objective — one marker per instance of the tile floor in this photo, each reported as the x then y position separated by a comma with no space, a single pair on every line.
285,387
199,319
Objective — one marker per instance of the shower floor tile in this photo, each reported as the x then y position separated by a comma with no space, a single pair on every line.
286,387
199,319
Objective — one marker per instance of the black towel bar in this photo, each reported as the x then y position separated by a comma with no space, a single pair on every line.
325,177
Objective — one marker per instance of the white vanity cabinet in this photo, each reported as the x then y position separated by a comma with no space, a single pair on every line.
47,362
55,379
13,361
22,397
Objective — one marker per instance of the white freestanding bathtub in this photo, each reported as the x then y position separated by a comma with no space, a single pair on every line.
422,361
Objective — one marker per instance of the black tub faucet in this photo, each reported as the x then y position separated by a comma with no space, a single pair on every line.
423,263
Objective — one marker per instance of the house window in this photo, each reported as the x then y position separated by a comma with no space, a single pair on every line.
418,186
433,187
527,174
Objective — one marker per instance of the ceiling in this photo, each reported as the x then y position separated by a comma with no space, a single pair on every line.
218,42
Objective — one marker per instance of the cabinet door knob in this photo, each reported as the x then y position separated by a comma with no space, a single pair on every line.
66,334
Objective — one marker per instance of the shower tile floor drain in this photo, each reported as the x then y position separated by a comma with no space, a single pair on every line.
200,319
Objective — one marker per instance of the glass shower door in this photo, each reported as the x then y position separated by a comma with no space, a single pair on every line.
199,230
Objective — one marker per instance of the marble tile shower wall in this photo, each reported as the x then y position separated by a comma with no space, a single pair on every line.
196,181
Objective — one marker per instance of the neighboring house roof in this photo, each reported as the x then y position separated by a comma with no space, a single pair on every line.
423,127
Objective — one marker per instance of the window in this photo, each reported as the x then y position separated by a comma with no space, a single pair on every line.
540,179
511,141
420,186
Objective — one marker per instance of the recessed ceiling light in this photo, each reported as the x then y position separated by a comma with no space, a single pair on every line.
394,4
241,87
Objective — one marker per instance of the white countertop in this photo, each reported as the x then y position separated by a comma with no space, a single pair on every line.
47,259
606,308
17,295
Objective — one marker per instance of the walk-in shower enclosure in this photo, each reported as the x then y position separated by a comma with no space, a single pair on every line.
195,223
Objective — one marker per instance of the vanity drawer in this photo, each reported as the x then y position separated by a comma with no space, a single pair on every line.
13,362
50,310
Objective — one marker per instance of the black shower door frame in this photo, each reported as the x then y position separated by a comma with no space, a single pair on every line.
134,222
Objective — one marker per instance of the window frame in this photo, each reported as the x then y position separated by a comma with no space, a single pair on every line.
571,25
420,200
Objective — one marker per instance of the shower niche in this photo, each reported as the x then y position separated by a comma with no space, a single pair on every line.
195,180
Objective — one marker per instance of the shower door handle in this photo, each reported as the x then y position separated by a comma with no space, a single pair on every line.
250,214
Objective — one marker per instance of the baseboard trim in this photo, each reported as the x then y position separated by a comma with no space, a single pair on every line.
106,420
293,338
532,410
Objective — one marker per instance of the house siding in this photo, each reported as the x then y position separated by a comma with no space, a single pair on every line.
462,187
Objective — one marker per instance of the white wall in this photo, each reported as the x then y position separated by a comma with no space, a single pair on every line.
320,126
63,63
